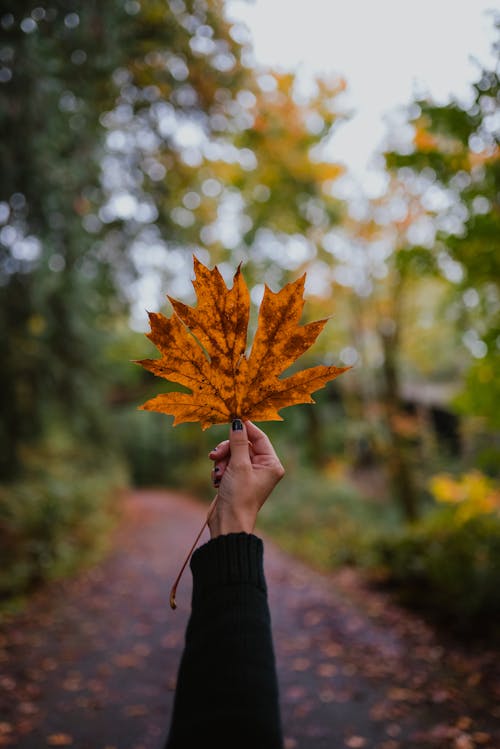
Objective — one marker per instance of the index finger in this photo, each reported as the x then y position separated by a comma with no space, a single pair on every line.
260,441
219,451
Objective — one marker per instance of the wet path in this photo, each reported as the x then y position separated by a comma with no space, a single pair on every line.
91,663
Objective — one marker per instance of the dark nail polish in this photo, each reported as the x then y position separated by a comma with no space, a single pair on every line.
216,469
237,425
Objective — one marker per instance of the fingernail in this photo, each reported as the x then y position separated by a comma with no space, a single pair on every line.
216,482
216,469
237,425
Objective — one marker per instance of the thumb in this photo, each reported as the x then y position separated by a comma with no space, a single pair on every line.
238,442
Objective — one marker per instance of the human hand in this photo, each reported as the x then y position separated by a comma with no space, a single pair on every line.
246,471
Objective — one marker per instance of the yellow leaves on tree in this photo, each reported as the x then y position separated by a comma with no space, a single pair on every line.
203,348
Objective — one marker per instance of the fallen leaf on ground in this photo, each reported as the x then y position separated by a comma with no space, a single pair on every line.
132,711
355,742
59,739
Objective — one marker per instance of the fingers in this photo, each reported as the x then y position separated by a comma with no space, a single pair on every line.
260,441
220,451
246,442
237,449
259,444
216,476
218,472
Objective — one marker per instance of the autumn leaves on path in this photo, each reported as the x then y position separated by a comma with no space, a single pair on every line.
91,663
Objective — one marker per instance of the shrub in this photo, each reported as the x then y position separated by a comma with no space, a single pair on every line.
448,565
157,454
472,494
58,515
323,519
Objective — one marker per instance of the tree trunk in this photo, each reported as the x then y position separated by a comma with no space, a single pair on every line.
399,466
317,453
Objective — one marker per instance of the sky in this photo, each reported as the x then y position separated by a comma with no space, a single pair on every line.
387,50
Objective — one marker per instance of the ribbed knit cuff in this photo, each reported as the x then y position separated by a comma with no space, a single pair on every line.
227,560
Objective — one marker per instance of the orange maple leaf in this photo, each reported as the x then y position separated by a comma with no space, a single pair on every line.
203,348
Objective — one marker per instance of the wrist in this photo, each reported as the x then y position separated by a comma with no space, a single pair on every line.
225,521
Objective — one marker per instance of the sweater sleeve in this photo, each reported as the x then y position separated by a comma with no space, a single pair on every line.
227,692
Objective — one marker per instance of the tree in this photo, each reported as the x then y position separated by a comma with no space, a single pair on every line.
55,80
456,152
245,180
71,72
129,133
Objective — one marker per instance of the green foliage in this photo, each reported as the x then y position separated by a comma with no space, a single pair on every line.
152,449
324,521
75,76
55,288
414,262
449,569
58,516
481,394
457,149
159,455
93,103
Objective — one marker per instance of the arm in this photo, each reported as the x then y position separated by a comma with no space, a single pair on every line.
227,694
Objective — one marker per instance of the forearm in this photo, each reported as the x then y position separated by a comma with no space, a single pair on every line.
227,691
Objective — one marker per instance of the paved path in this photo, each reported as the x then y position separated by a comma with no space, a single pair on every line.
92,661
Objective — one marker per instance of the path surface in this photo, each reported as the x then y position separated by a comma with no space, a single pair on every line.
92,662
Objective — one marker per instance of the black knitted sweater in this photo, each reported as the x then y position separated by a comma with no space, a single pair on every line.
227,692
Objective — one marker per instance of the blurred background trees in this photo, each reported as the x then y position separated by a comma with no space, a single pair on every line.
456,157
136,133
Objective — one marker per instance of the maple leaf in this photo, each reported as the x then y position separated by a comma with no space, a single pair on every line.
203,348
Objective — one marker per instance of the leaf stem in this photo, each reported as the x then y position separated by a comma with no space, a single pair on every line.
173,604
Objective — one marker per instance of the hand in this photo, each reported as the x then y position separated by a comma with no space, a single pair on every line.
246,471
